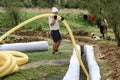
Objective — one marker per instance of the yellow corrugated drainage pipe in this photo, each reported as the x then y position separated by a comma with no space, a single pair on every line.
47,15
76,50
9,61
9,64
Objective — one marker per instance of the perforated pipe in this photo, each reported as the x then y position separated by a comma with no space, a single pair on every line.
94,71
28,46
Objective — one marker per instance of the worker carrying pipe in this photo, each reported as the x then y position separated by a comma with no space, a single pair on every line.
54,30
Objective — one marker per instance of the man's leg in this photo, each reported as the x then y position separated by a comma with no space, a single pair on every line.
103,36
54,47
58,44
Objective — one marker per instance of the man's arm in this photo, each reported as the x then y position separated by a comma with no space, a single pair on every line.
54,20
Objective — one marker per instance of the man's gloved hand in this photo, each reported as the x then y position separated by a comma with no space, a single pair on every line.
55,17
62,18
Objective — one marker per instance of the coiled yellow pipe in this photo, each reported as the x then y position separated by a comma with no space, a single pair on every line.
9,61
5,61
20,57
65,23
10,66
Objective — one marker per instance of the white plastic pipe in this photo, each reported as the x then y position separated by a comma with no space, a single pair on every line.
29,46
94,71
73,72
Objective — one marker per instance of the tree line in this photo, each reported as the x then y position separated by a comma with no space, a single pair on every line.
43,3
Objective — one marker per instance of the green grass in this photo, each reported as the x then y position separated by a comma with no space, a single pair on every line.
47,56
38,73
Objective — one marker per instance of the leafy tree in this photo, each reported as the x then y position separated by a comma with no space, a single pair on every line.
43,4
34,2
12,10
51,2
113,9
72,4
109,9
28,3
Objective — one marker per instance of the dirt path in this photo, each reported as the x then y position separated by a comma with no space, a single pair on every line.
45,62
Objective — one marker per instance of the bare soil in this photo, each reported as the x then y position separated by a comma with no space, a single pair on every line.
110,51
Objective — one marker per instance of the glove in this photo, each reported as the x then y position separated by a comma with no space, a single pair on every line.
55,17
62,18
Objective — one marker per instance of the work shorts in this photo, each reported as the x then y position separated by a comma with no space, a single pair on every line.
55,35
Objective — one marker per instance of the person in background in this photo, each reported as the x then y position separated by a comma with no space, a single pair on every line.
92,19
105,28
102,29
54,30
85,17
98,23
95,36
102,25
